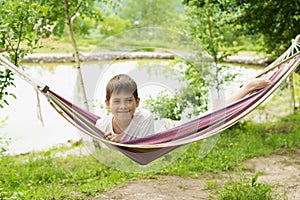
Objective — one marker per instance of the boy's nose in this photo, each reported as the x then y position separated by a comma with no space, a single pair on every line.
124,105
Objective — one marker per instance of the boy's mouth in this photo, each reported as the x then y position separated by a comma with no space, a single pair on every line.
123,112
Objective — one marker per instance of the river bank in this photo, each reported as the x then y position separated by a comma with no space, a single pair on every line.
101,56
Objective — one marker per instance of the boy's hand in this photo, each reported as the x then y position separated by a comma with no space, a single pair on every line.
112,137
257,83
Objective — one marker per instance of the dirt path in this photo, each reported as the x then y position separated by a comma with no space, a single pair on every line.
282,171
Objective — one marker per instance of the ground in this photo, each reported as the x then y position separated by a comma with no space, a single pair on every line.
283,171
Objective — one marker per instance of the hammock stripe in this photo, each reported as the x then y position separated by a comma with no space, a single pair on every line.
145,150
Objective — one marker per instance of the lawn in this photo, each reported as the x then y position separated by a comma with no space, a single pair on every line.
44,176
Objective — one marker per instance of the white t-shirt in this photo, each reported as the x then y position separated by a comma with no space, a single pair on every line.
141,125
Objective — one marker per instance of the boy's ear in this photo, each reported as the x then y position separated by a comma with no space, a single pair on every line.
137,101
107,103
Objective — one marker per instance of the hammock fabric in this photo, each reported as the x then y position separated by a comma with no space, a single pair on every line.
145,150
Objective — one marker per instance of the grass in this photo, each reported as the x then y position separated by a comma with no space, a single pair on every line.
29,177
42,176
245,189
64,45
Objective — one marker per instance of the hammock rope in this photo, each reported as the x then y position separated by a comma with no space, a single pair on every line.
145,150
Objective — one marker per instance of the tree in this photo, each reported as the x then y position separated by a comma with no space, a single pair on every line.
276,20
21,26
65,13
23,23
207,25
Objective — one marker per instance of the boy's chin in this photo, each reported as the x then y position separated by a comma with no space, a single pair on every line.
124,118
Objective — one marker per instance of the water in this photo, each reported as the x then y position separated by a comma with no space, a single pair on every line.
28,134
23,126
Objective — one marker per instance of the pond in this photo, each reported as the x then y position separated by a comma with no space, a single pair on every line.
27,133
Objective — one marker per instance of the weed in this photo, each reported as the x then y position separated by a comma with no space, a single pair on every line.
243,190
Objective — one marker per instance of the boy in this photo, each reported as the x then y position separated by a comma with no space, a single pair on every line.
127,121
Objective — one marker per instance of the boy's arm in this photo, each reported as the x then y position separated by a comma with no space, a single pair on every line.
248,87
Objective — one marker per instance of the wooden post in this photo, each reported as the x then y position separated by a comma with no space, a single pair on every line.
293,103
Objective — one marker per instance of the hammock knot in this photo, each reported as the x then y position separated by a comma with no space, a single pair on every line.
45,89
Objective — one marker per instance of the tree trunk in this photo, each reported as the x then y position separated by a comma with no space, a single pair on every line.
292,94
76,54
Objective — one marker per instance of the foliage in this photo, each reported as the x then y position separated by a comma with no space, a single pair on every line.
23,23
209,25
113,25
3,141
152,13
275,20
21,26
271,22
190,99
193,99
6,80
166,106
3,146
82,26
298,70
80,11
196,91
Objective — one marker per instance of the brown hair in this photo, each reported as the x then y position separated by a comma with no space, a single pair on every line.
121,82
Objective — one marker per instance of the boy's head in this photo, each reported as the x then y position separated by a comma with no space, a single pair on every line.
122,98
121,83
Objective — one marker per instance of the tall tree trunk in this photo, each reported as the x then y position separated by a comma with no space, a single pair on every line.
76,54
77,61
292,94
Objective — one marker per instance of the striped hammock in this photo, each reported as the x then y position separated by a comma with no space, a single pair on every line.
145,150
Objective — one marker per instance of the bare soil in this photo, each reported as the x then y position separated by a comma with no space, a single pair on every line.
282,171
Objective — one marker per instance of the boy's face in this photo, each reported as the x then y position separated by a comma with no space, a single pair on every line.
122,106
